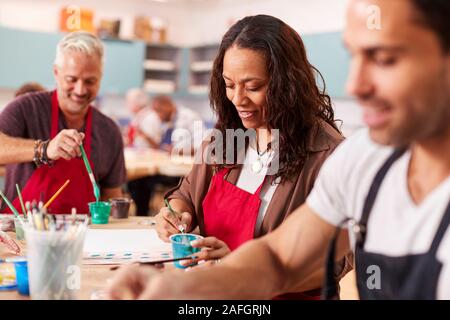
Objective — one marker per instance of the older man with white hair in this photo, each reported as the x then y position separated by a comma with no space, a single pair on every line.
41,134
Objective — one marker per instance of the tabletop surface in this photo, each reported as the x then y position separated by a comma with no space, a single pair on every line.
94,277
149,162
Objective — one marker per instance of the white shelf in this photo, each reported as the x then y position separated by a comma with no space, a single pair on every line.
159,86
198,89
159,65
202,66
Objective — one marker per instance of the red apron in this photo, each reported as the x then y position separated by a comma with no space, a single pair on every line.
230,215
229,212
48,179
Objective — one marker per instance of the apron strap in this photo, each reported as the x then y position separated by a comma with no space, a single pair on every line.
443,227
223,173
54,125
372,194
330,289
88,133
54,119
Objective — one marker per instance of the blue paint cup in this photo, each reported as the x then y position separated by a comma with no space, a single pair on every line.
181,246
21,267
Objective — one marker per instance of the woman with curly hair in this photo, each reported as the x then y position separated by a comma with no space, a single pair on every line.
261,83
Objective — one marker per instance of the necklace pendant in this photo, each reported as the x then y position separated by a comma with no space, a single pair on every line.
257,166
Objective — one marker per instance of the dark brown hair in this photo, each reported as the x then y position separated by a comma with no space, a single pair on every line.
29,87
435,15
294,103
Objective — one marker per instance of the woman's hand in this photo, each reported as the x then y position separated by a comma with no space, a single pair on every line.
169,223
211,249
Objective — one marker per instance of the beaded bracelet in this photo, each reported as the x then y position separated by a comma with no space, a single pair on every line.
44,157
37,152
40,153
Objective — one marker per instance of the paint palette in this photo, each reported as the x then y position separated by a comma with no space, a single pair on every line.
123,257
124,246
7,277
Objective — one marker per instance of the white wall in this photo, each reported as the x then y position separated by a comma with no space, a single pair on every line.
6,95
190,22
306,16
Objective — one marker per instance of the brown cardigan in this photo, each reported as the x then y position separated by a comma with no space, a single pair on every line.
288,196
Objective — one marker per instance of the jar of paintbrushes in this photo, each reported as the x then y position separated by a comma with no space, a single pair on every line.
54,252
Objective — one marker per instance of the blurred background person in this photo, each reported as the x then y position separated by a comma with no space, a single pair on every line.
140,132
160,125
180,129
29,87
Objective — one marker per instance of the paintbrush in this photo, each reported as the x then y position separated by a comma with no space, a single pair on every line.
91,175
19,194
151,263
180,227
56,193
9,204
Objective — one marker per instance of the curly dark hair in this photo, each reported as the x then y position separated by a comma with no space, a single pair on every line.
294,103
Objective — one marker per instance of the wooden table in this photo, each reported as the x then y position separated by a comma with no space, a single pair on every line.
93,277
147,162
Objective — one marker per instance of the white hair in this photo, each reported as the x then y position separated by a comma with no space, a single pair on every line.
79,41
138,97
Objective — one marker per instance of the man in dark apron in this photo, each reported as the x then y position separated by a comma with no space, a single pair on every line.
387,186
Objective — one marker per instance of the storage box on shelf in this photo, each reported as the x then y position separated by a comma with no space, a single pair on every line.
201,63
161,68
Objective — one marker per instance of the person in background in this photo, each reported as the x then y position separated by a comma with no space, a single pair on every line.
386,188
41,134
261,82
29,87
159,125
140,133
179,129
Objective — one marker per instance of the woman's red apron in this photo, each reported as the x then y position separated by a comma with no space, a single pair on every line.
230,215
47,180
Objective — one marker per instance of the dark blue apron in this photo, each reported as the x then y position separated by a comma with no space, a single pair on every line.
402,278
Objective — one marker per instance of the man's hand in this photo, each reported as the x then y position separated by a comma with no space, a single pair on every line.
65,145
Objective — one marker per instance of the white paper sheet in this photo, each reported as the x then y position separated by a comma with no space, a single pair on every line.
124,246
